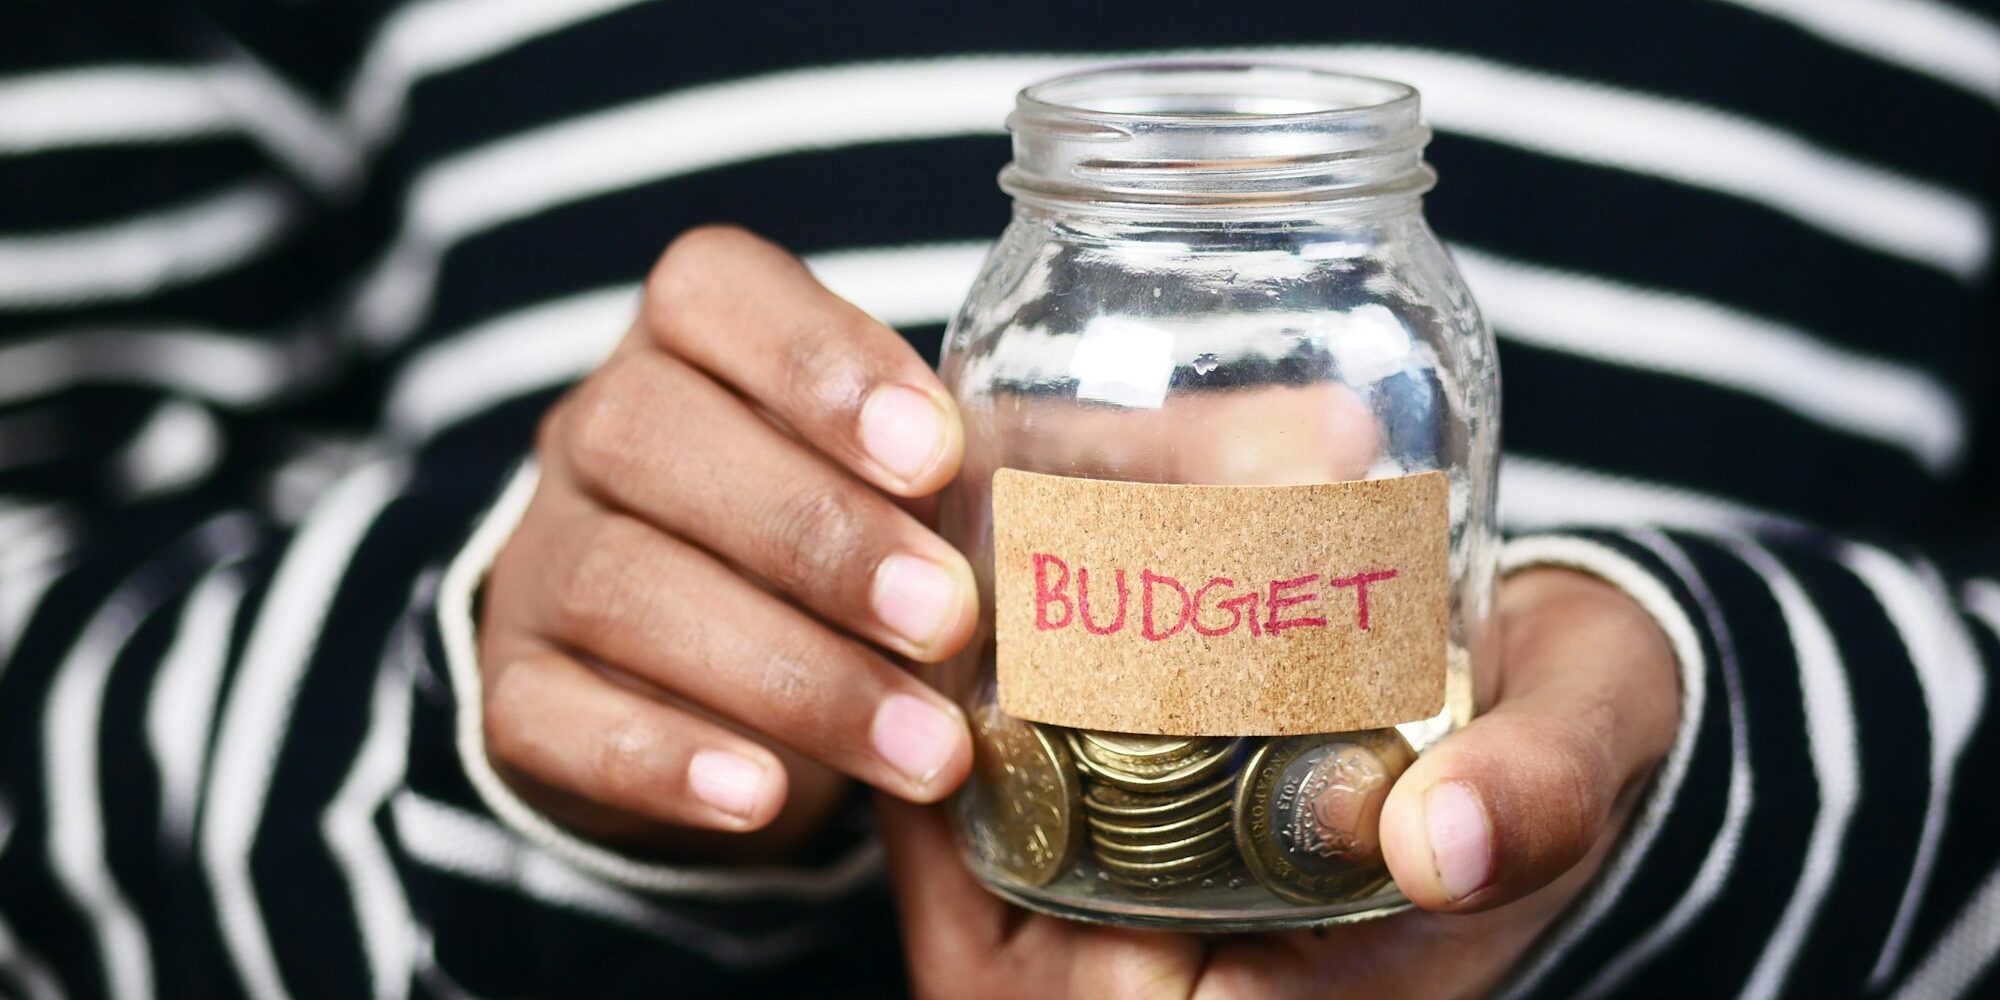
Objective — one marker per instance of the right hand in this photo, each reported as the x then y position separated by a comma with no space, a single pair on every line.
682,634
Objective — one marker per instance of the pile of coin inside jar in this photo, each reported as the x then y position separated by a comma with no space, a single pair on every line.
1297,814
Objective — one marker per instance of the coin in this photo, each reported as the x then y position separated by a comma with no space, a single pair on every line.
1120,806
1023,798
1218,815
1186,847
1140,774
1308,809
1160,875
1131,745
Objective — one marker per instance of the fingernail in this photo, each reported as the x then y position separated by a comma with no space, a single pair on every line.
915,597
1461,841
728,781
903,430
914,736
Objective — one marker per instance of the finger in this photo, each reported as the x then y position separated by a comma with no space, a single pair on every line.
653,436
557,722
671,615
750,314
1502,807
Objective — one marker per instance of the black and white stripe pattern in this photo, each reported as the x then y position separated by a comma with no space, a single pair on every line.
1738,253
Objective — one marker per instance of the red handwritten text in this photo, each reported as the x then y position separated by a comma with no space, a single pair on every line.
1218,607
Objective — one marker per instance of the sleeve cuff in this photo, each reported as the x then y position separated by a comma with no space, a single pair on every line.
1651,814
457,598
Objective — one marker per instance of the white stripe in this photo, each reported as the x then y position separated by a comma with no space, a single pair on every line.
181,707
464,844
227,368
1537,493
423,39
106,104
70,734
1923,36
1982,598
132,104
434,976
1830,740
1953,686
905,285
505,358
553,342
381,912
285,122
1651,815
176,447
146,253
1682,335
258,711
720,124
1964,952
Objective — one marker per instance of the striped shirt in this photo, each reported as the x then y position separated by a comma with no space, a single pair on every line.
283,290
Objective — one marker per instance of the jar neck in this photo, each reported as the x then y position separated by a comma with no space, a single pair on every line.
1375,222
1193,141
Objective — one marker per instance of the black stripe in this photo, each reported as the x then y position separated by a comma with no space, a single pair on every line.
1656,427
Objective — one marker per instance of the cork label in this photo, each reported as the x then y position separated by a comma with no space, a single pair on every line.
1220,610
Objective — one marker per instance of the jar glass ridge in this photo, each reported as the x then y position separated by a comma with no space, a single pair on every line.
1215,274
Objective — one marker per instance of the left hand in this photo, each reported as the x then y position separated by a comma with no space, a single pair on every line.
1492,833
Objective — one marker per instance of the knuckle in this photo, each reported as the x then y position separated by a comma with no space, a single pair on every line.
688,267
603,420
822,362
812,538
590,588
1576,781
508,741
630,760
549,432
792,693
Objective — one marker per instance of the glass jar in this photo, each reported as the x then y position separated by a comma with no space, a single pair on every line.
1220,329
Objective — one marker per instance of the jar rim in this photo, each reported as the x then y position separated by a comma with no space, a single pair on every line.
1205,136
1070,94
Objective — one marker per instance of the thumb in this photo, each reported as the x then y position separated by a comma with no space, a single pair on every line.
1587,704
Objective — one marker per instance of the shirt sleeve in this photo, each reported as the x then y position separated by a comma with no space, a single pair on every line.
1821,826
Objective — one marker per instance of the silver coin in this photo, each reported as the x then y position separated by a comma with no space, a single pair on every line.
1308,810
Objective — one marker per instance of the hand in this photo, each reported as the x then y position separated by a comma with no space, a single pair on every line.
681,635
1492,833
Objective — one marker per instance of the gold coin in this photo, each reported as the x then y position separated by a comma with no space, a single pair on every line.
1152,776
1162,875
1021,807
1308,812
1131,745
1218,815
1141,755
1120,806
1194,844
